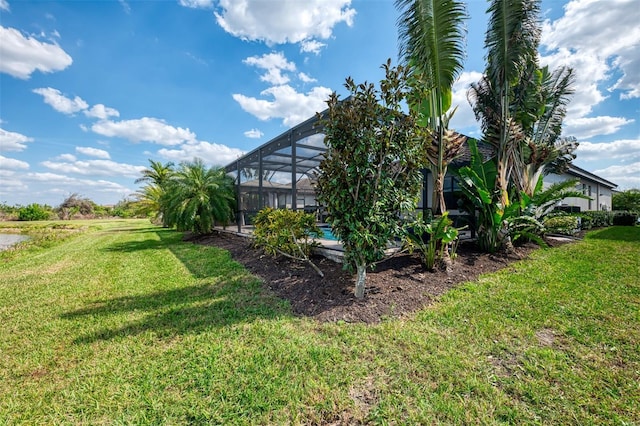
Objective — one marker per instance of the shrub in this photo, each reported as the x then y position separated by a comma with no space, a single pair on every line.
33,212
625,218
599,219
432,239
565,225
286,232
586,221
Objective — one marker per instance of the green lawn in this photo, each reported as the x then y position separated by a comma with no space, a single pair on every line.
123,323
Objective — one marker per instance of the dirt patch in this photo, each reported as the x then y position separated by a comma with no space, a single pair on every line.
397,286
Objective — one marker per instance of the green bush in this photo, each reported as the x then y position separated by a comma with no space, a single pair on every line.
599,219
625,218
33,212
586,221
565,225
282,231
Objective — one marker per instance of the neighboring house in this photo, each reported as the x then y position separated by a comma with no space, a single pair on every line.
288,165
598,189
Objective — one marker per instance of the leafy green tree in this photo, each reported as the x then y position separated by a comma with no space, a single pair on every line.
371,170
196,197
34,212
627,200
432,39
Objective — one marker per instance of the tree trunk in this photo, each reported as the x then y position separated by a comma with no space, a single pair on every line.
446,259
362,275
438,204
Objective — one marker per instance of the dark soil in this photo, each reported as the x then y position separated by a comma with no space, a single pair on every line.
397,286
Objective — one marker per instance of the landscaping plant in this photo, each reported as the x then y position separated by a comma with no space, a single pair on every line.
288,233
432,239
196,197
432,41
371,171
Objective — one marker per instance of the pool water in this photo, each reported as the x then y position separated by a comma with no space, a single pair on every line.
327,234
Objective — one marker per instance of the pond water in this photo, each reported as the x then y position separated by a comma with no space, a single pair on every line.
7,240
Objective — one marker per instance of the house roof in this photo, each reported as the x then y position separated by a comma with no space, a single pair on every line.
300,150
582,173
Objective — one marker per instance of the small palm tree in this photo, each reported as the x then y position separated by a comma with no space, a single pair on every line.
197,197
149,202
150,197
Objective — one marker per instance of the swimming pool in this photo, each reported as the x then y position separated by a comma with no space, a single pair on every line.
327,234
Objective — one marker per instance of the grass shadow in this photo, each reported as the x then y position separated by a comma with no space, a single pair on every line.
228,294
188,310
617,233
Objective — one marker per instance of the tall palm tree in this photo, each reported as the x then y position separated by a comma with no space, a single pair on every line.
512,40
198,196
432,39
157,173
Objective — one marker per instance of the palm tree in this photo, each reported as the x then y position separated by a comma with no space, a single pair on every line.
197,196
150,196
543,149
512,39
149,202
432,40
157,174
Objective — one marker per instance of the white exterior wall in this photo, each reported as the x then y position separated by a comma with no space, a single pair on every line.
600,195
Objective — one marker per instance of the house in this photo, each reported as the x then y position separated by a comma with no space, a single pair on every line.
280,174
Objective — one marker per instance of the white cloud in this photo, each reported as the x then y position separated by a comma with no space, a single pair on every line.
311,46
101,112
125,6
144,130
616,37
61,103
254,134
197,4
12,141
283,21
45,184
210,153
305,78
620,149
627,176
291,106
66,157
596,56
95,168
4,5
22,55
274,64
588,127
93,152
12,164
464,118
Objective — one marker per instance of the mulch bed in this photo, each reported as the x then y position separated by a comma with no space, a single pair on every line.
397,286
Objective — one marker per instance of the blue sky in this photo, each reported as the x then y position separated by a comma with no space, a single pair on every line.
91,90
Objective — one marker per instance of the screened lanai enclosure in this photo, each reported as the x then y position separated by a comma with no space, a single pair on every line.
282,174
